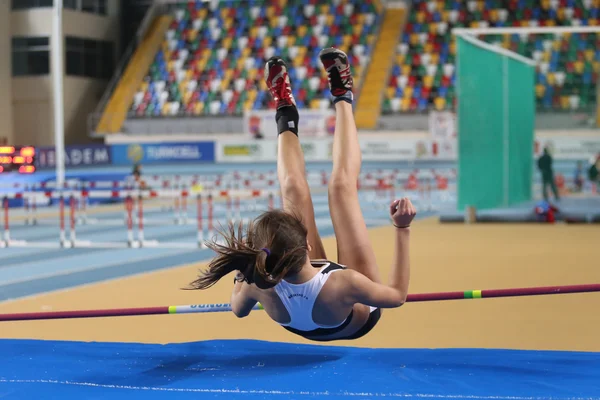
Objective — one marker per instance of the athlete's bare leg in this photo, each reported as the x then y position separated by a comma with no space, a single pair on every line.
291,168
354,247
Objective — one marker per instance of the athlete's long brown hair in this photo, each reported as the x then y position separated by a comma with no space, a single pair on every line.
265,251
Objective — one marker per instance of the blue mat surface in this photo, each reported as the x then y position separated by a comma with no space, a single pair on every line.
253,369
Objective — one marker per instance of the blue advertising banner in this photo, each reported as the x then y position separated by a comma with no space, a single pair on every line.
75,156
159,153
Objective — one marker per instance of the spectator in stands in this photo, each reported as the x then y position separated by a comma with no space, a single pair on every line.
578,178
545,166
137,171
594,173
137,175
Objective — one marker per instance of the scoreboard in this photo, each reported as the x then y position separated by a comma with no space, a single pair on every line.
20,159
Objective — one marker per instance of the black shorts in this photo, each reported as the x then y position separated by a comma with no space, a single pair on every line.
322,334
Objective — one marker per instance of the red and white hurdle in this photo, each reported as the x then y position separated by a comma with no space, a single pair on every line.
134,216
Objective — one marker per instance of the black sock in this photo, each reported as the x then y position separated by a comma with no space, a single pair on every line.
348,97
287,119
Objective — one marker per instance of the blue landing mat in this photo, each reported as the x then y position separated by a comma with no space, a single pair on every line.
262,370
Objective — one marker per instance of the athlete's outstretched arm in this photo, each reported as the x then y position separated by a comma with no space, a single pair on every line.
242,300
365,291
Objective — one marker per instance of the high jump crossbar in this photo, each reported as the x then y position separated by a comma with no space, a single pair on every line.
210,308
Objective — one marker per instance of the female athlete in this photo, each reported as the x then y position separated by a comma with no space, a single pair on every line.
280,260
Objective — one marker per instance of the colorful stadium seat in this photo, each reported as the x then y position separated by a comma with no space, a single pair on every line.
213,55
567,65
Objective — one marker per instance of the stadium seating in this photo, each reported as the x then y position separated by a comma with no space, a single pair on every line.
212,59
423,75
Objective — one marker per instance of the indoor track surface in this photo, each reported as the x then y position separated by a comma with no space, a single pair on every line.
437,350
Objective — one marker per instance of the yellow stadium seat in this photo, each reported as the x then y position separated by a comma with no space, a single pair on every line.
282,3
433,27
400,59
428,81
408,92
291,40
193,34
361,19
440,103
263,85
579,66
226,43
405,104
225,84
524,23
347,40
420,17
446,16
270,12
224,12
556,45
428,48
144,86
252,95
253,32
165,109
589,55
560,13
550,78
198,108
302,29
315,104
564,102
406,69
251,74
246,52
540,91
248,105
273,22
390,92
324,9
435,58
267,41
298,61
186,97
206,52
550,22
546,56
494,15
596,66
414,39
545,4
453,48
357,29
330,19
344,48
592,22
200,65
202,13
171,65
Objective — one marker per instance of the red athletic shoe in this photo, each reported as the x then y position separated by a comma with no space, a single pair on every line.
278,82
336,64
